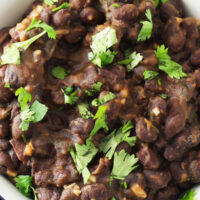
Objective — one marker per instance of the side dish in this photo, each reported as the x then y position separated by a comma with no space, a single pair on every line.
99,100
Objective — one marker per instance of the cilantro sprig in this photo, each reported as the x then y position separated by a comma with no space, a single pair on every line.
147,27
108,97
95,90
82,156
100,121
101,54
170,67
24,184
123,165
70,95
84,111
40,24
33,113
12,54
109,144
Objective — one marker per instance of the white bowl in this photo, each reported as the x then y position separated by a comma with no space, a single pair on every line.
10,13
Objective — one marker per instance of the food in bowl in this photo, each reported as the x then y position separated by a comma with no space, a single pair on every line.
100,100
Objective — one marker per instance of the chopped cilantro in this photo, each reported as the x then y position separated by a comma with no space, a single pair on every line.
60,72
125,61
33,114
100,121
173,69
159,82
84,111
24,184
62,6
108,97
24,138
116,5
40,24
156,2
149,75
109,144
7,85
70,95
136,59
82,156
23,98
123,165
101,55
50,2
95,90
189,195
39,110
164,96
147,27
124,185
164,1
11,56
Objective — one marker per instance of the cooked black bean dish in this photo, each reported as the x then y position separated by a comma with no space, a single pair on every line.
99,100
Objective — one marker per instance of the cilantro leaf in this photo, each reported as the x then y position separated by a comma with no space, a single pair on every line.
116,5
40,24
39,111
84,111
60,72
100,121
173,69
124,185
189,195
108,97
123,165
50,2
147,27
23,98
82,156
69,95
156,2
11,56
62,6
101,42
164,1
159,82
7,85
136,59
164,96
95,90
109,144
125,61
24,184
149,75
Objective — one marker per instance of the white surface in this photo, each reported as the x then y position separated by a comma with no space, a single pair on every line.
10,13
12,10
192,7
